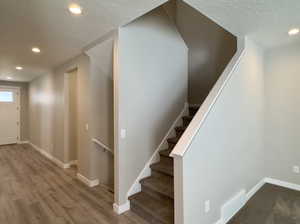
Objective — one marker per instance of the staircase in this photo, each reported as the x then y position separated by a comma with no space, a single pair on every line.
155,203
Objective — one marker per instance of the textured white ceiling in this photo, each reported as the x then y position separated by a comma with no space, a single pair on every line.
60,35
266,21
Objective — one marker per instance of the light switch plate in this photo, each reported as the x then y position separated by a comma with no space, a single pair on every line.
123,133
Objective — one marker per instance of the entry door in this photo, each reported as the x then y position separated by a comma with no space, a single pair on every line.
9,115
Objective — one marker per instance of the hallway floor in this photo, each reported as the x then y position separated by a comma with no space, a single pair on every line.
271,205
33,190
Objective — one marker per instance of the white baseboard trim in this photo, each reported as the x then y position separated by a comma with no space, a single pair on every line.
120,209
49,156
22,142
280,183
232,206
255,189
146,172
220,221
88,182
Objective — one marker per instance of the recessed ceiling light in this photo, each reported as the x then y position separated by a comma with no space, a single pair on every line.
19,68
75,9
294,31
9,78
36,50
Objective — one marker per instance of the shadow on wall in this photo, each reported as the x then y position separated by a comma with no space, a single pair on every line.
210,50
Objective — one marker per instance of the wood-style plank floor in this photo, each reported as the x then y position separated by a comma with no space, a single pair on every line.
33,190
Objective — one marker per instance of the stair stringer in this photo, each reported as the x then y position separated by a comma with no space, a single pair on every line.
146,171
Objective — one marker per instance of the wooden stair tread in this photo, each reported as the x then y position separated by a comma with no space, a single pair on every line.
156,210
166,152
165,168
173,140
193,110
155,203
163,185
180,128
194,107
188,118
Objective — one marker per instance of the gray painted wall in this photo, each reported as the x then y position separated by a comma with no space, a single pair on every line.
210,49
24,107
227,154
94,107
282,112
151,89
41,108
47,105
101,111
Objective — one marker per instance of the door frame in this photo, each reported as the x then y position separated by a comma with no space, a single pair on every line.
18,100
67,118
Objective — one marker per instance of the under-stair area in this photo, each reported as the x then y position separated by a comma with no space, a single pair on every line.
155,203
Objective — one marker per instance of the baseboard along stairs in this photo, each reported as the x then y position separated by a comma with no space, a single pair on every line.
155,202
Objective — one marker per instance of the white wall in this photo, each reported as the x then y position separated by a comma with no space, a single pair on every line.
282,78
227,154
150,88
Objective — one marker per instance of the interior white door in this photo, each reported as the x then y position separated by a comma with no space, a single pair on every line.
9,115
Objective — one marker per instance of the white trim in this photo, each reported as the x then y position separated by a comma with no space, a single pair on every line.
178,190
281,183
116,87
232,206
119,209
255,189
71,163
50,157
86,181
106,148
146,171
220,221
200,117
22,142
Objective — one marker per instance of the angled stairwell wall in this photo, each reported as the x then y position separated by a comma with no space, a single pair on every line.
222,151
150,84
211,47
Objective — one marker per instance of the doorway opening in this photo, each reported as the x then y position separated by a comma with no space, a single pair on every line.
71,117
10,115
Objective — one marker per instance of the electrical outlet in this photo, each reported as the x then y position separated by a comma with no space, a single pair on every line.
206,206
296,169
